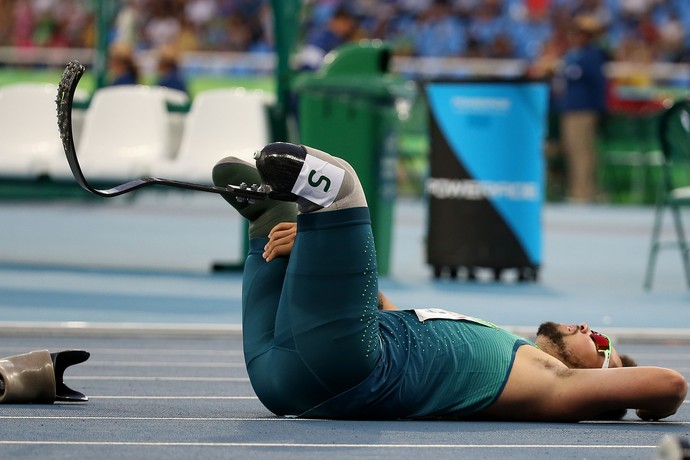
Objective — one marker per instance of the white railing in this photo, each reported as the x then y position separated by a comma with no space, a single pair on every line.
422,68
51,57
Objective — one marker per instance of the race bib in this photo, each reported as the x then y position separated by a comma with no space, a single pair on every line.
424,314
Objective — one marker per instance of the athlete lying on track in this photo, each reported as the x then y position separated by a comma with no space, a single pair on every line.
316,343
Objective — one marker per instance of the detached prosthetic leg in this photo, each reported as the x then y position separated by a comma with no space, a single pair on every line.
37,377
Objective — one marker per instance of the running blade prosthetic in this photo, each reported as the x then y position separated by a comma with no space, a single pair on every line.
65,97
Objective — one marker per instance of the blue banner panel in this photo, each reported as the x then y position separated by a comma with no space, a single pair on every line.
496,131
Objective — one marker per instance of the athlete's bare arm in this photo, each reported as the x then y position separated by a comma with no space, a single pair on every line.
541,388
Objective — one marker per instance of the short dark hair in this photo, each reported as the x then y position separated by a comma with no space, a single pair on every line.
628,361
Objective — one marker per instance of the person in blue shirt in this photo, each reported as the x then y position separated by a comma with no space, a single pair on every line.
342,27
486,26
169,74
317,345
121,66
438,33
530,35
581,100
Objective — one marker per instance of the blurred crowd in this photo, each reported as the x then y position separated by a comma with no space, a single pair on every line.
634,30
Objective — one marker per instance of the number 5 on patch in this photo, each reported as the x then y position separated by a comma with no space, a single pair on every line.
318,181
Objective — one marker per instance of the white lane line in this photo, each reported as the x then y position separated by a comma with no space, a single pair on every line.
146,351
254,397
321,446
162,364
226,352
161,419
634,422
157,378
276,419
175,397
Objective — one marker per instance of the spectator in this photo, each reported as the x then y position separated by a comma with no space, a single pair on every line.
44,28
24,22
189,37
443,28
391,23
73,20
238,33
650,34
502,47
582,101
633,50
487,27
341,28
121,65
264,40
439,33
672,37
531,34
200,12
164,26
168,70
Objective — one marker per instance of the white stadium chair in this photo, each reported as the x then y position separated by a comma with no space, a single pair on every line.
175,98
125,133
172,96
29,137
220,122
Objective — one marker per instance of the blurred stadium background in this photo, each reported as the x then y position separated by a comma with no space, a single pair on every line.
228,43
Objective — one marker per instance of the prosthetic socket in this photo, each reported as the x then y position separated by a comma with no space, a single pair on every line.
37,377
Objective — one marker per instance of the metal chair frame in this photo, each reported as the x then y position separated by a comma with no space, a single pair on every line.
675,149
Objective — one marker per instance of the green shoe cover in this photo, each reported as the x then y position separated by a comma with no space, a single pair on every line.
262,215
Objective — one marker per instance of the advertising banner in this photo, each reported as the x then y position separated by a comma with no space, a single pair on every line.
486,181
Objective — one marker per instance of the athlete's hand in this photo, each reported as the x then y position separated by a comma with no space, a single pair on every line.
280,241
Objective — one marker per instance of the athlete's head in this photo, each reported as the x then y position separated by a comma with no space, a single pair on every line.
577,346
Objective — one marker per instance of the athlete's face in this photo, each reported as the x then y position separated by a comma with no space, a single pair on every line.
577,347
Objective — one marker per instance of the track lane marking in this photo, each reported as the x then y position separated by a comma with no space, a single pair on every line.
289,419
160,419
176,397
147,351
157,378
164,364
322,445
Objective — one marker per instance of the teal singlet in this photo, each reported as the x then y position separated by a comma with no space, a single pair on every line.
316,344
